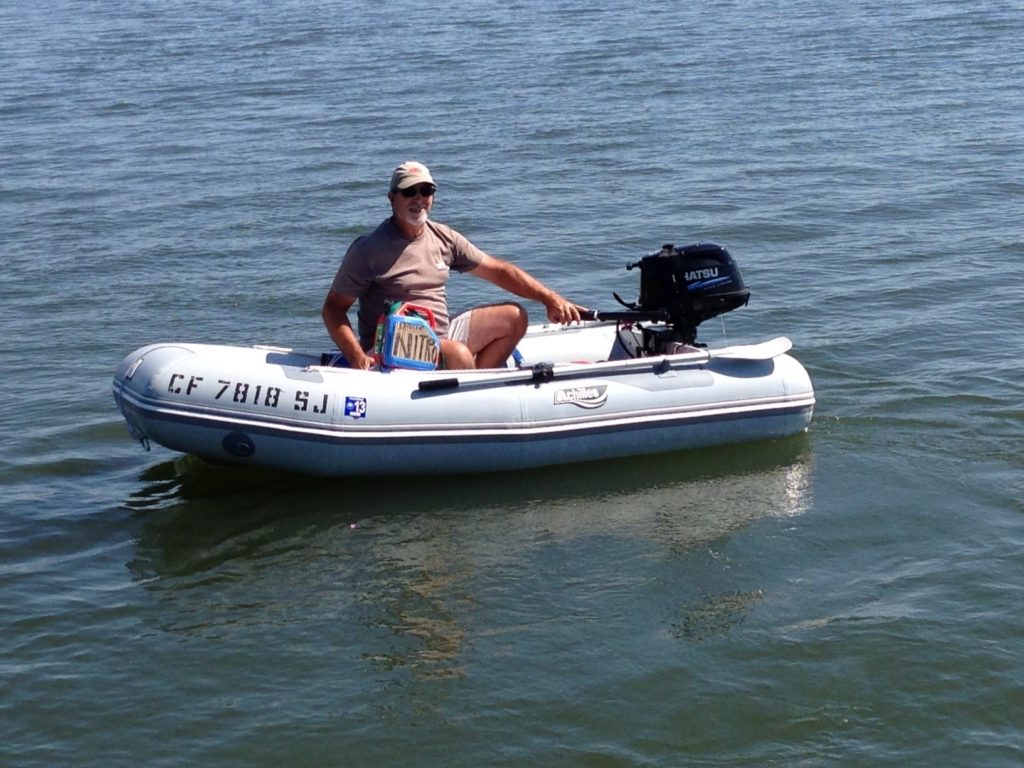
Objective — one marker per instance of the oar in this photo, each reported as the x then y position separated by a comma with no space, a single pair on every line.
542,372
765,350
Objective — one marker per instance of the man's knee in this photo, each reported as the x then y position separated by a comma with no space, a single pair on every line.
517,318
456,355
497,321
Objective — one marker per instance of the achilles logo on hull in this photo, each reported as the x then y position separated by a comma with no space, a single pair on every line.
584,397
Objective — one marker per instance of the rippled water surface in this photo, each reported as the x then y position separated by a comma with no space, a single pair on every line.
194,171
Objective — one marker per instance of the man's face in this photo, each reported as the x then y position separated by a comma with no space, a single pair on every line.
412,205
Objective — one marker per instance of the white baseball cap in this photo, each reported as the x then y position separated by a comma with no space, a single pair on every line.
409,174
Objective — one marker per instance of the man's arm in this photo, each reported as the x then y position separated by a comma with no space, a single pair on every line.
511,278
335,316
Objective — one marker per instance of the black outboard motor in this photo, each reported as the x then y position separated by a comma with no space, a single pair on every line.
683,287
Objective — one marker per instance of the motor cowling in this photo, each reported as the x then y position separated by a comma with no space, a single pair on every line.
690,284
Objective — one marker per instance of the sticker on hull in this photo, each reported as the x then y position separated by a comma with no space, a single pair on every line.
355,407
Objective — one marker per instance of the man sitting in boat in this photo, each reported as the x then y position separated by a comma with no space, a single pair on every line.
408,259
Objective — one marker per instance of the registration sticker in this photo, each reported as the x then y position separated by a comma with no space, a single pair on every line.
355,407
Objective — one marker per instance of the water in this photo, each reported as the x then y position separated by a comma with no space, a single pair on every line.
195,171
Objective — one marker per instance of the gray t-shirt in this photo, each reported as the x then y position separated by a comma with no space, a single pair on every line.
385,266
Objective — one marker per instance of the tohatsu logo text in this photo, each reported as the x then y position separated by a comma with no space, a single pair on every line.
701,274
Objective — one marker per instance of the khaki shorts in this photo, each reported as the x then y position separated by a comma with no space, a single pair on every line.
458,328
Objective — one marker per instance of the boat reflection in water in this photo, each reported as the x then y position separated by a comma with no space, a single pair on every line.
404,569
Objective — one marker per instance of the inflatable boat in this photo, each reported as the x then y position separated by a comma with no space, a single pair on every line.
624,383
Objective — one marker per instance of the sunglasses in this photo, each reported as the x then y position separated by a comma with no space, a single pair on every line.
425,190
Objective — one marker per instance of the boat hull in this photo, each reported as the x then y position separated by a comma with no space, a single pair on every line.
278,408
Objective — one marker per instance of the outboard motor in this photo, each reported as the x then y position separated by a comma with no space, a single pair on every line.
683,287
691,284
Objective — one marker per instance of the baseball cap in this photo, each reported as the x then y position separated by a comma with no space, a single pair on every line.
410,173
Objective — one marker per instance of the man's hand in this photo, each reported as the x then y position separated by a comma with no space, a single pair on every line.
563,311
